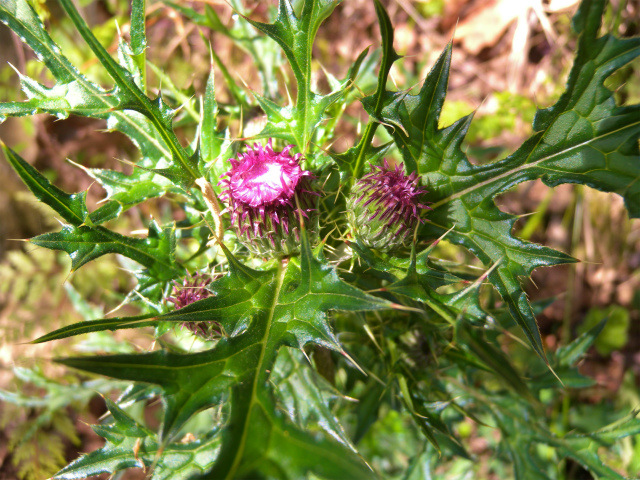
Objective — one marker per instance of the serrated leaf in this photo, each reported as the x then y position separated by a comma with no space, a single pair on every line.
295,34
83,240
416,280
584,447
473,339
85,243
75,94
112,324
71,207
133,98
130,444
584,138
284,306
302,393
84,96
568,355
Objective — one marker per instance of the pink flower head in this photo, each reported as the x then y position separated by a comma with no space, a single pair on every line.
384,206
260,191
194,288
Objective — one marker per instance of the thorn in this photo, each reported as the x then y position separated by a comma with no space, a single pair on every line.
355,364
76,164
453,34
373,338
397,306
438,240
136,449
324,240
286,88
245,83
210,55
554,373
117,307
305,355
393,80
15,70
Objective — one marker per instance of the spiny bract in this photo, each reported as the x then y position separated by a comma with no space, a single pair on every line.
194,288
384,208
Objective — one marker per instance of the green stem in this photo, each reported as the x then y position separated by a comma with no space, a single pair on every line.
367,138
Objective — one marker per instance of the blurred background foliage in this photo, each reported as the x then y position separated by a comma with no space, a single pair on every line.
509,57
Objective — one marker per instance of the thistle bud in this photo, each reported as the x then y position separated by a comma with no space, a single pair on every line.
383,207
194,288
260,192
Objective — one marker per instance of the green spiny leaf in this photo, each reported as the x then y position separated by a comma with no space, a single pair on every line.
474,340
584,138
133,98
75,94
98,326
302,393
71,207
209,142
284,306
85,243
295,35
130,190
417,281
83,240
130,444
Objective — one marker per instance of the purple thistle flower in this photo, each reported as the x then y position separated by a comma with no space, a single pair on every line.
194,288
260,191
384,206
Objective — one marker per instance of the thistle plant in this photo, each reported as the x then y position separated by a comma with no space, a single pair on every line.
333,321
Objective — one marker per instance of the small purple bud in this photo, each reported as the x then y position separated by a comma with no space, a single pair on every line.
194,288
384,207
260,191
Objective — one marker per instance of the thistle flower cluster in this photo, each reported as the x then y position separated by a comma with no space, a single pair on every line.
264,190
384,206
194,288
